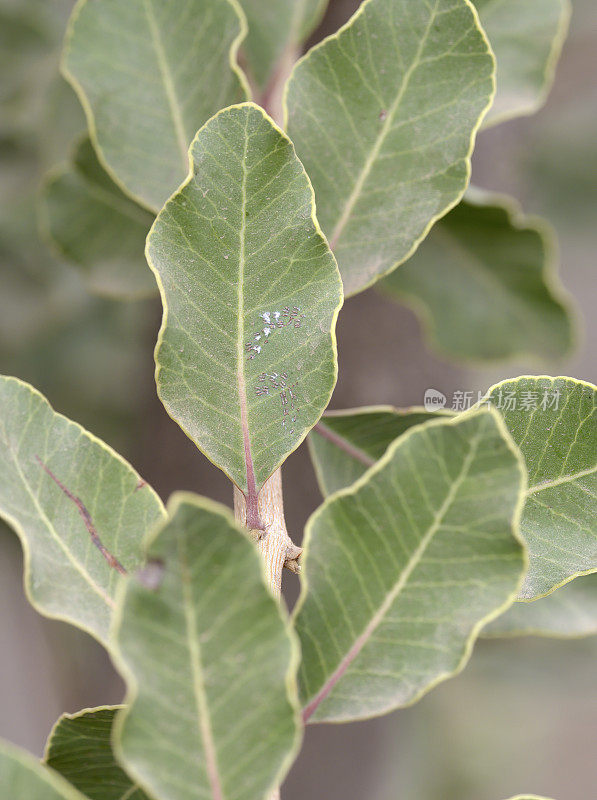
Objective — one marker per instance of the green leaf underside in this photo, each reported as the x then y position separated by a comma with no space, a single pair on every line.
97,227
527,39
218,719
22,777
345,444
274,29
383,116
80,749
66,576
403,569
246,357
559,446
483,281
569,612
149,73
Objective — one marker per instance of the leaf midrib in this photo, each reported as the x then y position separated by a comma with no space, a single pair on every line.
202,705
54,533
381,137
344,444
391,596
240,347
168,82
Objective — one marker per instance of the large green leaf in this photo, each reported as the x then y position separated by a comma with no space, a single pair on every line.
246,359
553,421
484,281
403,569
80,749
569,612
383,115
22,777
527,39
66,576
97,227
344,444
218,718
149,73
276,30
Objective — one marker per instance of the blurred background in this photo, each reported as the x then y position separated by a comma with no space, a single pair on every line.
523,714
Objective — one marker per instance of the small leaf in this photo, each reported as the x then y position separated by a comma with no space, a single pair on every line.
80,749
275,30
66,576
97,227
22,777
344,444
246,356
218,719
403,569
569,612
383,116
149,73
553,422
527,39
484,282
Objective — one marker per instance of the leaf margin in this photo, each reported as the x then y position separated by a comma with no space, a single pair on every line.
549,73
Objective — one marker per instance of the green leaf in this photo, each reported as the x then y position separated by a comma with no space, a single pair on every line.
403,569
383,115
246,358
80,749
275,31
344,444
94,225
553,422
66,576
484,281
569,612
527,39
149,73
226,697
22,777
